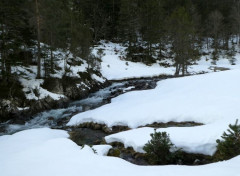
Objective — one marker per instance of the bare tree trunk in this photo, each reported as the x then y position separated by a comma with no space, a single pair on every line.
38,41
3,53
8,68
3,65
52,71
177,70
238,39
207,43
183,69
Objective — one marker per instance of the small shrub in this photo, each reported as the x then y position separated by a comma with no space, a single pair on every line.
160,150
229,146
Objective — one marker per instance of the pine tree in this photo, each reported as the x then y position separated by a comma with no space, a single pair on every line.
182,38
13,32
128,25
215,20
160,149
229,146
152,22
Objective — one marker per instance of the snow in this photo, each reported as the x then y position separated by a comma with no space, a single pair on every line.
49,152
200,140
202,98
32,86
99,79
102,149
128,88
22,109
212,99
33,90
115,67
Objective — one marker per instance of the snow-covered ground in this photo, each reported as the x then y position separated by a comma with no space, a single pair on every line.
114,67
49,152
212,99
32,86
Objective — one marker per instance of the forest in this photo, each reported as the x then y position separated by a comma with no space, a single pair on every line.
151,29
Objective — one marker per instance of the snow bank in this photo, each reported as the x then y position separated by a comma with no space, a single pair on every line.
200,139
102,149
212,99
204,98
48,152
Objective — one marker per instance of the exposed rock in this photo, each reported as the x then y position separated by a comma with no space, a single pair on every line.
46,104
114,152
82,136
72,87
53,85
8,109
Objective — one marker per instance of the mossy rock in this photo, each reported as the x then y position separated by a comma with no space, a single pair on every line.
114,152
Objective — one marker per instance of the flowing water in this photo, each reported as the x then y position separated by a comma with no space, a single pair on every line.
57,118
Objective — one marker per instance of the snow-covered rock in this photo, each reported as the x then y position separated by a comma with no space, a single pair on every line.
102,149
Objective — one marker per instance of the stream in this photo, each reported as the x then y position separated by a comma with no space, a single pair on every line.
57,118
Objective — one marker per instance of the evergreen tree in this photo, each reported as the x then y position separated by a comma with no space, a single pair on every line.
12,24
228,146
128,25
152,25
235,15
160,149
215,20
182,39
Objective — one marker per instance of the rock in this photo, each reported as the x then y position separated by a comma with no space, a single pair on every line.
53,85
51,118
114,152
106,129
8,109
97,127
87,136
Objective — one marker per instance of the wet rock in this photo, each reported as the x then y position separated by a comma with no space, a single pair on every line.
46,104
82,136
51,118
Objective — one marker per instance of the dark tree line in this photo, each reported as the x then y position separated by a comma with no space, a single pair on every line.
152,29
